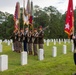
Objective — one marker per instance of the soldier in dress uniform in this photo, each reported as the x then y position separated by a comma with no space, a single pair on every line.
74,41
25,39
35,41
40,38
20,39
30,42
15,37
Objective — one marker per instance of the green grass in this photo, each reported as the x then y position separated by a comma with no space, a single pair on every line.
60,65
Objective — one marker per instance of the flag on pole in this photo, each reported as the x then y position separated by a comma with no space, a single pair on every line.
28,12
69,24
28,8
31,14
17,15
25,14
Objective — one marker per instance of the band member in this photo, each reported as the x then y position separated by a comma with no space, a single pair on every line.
25,38
35,41
40,38
30,43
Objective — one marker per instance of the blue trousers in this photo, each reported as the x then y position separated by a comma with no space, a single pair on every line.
25,46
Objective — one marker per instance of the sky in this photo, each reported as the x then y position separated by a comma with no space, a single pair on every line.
9,5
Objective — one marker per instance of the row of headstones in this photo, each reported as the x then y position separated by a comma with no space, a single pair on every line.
6,41
56,40
4,59
54,51
46,41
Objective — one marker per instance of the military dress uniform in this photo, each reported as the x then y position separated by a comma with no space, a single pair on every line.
41,39
30,43
15,40
74,41
35,42
20,39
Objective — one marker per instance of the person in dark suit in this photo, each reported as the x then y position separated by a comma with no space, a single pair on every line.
40,38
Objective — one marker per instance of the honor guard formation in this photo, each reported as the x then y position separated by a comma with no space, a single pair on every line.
28,40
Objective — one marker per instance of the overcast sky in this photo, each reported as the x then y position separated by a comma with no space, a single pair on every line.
9,5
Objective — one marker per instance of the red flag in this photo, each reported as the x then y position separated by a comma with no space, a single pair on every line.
17,15
69,18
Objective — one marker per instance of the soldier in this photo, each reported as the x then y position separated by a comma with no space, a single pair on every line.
74,40
40,38
15,37
20,39
25,39
30,42
35,41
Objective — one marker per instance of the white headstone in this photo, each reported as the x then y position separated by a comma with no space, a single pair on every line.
8,42
72,47
64,41
40,54
23,58
3,62
0,48
59,41
12,47
11,40
5,40
71,41
54,51
64,49
51,40
54,42
47,42
0,41
68,40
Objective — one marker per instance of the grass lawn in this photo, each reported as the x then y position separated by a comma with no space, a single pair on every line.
60,65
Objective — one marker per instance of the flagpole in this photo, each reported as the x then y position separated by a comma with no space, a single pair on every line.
23,12
19,14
